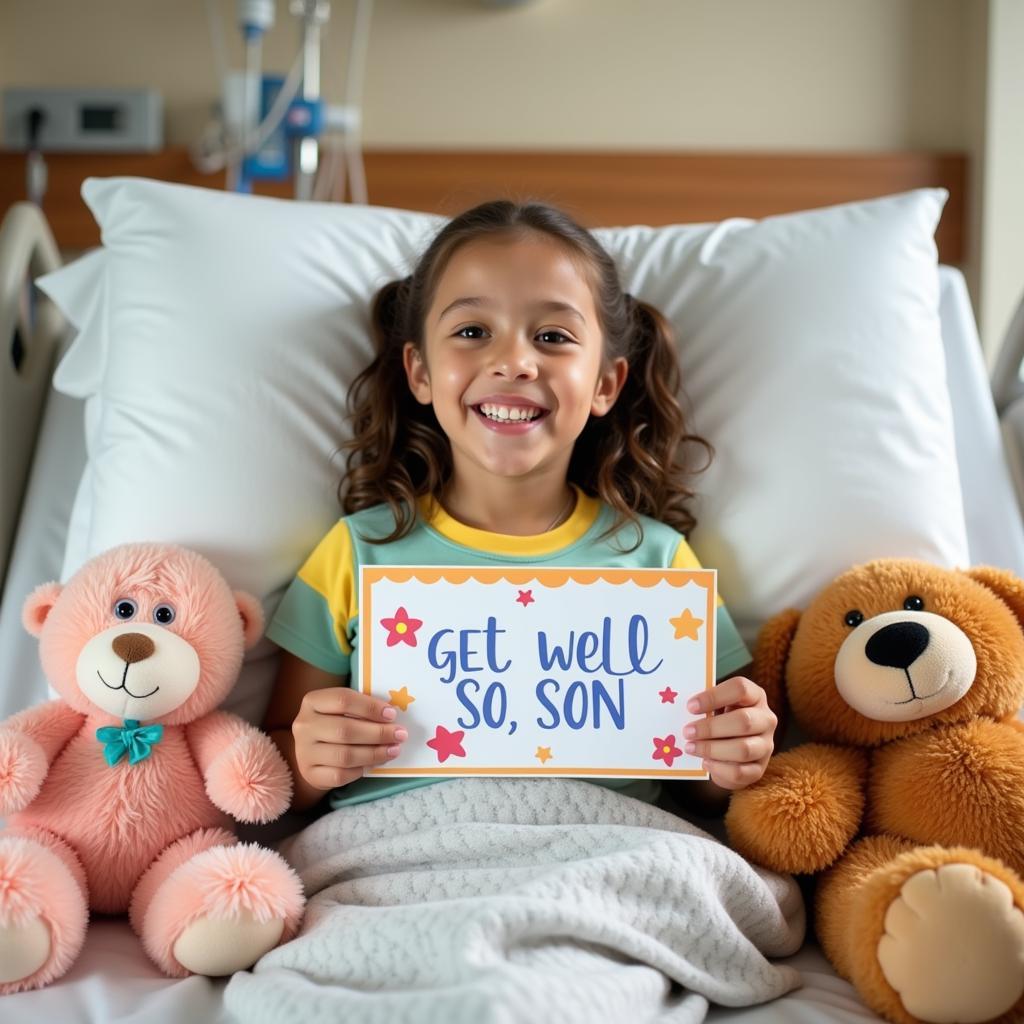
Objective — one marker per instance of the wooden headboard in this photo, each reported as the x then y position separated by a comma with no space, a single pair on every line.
598,188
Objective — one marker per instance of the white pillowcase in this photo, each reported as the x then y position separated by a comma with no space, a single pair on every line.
219,335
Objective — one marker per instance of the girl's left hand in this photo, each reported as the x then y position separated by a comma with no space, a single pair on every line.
737,742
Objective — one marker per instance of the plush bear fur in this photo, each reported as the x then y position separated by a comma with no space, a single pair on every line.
147,632
911,800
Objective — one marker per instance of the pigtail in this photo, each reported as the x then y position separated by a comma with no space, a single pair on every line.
398,450
635,454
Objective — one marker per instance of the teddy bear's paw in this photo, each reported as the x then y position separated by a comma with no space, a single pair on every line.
24,948
23,768
221,910
953,945
215,946
43,915
250,781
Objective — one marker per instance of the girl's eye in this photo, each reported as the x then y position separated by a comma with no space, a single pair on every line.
163,614
554,337
461,333
125,608
853,618
914,604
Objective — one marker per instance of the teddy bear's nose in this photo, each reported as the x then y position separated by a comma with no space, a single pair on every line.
898,645
132,647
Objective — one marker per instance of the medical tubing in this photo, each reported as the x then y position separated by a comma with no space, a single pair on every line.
355,76
208,163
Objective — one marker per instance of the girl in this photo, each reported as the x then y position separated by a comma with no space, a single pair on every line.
521,409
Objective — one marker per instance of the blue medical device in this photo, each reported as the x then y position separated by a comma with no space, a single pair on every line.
273,161
273,127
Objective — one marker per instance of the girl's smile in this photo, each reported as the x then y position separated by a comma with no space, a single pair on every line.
509,414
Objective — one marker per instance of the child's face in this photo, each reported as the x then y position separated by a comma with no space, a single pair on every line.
513,330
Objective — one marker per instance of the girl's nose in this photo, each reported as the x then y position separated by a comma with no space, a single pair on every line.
513,358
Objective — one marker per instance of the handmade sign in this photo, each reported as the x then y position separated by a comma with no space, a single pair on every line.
574,672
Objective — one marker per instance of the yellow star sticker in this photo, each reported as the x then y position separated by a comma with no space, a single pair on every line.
686,625
543,754
401,698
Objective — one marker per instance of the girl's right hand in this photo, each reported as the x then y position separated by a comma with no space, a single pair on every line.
340,731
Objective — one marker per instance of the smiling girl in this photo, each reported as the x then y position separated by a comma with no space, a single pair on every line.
521,410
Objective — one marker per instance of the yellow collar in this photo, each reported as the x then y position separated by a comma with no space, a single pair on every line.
584,516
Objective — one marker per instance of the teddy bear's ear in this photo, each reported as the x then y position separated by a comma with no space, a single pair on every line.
251,611
1003,584
37,606
770,655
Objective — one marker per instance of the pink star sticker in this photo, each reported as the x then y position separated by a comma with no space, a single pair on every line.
666,750
668,695
525,597
447,743
401,628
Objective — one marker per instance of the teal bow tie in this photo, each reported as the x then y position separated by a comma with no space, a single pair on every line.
134,740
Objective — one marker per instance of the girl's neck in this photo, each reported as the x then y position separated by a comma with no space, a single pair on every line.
510,506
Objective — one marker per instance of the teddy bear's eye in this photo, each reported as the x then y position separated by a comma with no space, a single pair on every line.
164,614
853,618
914,604
125,608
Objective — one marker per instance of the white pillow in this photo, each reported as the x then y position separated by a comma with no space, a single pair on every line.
229,328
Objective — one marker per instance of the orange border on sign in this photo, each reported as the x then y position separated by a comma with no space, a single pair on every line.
548,577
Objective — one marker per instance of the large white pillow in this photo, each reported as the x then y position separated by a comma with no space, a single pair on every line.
221,334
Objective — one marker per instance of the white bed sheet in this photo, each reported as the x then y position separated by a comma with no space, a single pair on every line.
114,981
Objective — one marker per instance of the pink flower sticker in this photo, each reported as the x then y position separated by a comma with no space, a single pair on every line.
401,628
665,749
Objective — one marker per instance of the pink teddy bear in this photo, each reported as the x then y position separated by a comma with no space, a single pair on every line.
119,795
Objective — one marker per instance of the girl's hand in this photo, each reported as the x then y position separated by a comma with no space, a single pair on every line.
339,731
737,742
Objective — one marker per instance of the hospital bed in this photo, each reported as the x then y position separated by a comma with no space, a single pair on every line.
43,452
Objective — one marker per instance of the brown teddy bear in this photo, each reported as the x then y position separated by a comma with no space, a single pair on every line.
912,799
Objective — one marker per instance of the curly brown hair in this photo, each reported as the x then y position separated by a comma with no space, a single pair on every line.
632,458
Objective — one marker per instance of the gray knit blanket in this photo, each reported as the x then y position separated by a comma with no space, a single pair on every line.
495,901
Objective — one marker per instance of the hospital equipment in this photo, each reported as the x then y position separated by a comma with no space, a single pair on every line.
85,119
92,120
273,128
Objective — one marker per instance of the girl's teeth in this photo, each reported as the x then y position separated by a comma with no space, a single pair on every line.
505,413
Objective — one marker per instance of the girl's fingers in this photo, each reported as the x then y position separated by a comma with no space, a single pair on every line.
341,729
329,778
739,690
740,750
743,721
734,776
343,700
349,755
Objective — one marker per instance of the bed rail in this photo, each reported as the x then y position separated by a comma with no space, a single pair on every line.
30,327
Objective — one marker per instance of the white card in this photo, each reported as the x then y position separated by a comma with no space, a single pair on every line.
564,672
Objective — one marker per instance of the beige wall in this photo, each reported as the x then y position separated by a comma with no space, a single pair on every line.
771,74
620,74
1000,170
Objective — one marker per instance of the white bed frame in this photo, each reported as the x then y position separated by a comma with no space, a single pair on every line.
113,980
30,326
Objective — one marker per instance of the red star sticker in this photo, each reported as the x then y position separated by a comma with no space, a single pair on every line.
665,749
401,628
525,597
668,695
447,743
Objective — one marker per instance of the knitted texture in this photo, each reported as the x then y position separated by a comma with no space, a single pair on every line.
488,901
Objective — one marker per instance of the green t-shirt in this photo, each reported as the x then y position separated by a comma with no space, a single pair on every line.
318,617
